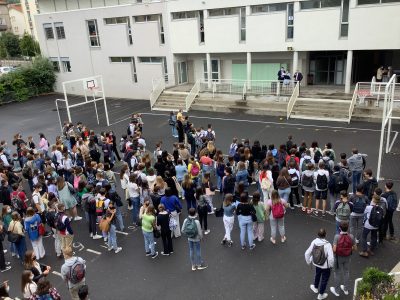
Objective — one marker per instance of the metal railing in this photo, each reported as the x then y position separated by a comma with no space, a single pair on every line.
192,95
292,100
244,95
158,88
357,281
353,101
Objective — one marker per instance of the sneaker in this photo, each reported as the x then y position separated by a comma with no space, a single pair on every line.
194,268
272,241
346,292
230,243
357,241
148,253
323,213
202,267
154,255
207,231
211,212
370,252
322,296
303,209
333,291
77,218
363,254
105,239
119,249
5,251
283,239
331,213
6,269
97,237
223,242
369,243
252,246
7,263
91,235
314,289
13,254
130,207
243,247
292,207
298,205
315,212
109,248
165,254
309,211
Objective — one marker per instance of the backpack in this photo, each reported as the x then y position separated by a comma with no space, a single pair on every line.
76,272
79,160
344,246
391,201
304,164
317,156
307,181
128,156
229,183
359,204
59,223
295,179
16,202
327,165
372,185
318,255
54,160
195,170
91,178
232,149
190,228
278,211
383,205
341,183
343,211
100,206
322,182
94,154
51,219
209,135
265,184
376,216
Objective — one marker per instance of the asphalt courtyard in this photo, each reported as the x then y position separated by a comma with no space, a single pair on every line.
268,272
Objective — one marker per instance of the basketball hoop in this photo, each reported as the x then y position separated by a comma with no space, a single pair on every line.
94,89
362,94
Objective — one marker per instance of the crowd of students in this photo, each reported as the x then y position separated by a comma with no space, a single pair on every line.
258,183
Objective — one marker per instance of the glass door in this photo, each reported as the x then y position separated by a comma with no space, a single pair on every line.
182,72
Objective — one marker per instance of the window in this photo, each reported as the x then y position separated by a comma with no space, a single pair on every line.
214,70
56,64
242,25
126,60
149,60
257,9
93,33
290,21
117,20
344,21
66,64
229,11
183,15
148,18
59,30
48,31
161,28
310,4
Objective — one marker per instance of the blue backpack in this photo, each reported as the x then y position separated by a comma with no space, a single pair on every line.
359,204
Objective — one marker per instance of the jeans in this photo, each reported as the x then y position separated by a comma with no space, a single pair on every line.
149,242
21,248
284,194
112,238
342,268
374,233
195,253
323,276
388,223
174,131
57,241
228,224
246,224
219,183
277,223
355,179
135,209
120,221
356,226
190,203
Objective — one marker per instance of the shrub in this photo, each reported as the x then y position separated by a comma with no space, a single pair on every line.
376,284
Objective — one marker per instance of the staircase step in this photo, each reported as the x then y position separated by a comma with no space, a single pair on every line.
304,117
301,99
182,94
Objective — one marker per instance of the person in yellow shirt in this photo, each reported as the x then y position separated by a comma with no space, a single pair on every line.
194,170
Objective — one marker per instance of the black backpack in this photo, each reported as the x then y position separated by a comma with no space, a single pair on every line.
295,179
317,156
376,216
94,154
322,182
318,255
59,223
307,181
341,183
51,218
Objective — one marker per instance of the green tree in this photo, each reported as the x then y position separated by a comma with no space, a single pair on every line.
11,44
28,46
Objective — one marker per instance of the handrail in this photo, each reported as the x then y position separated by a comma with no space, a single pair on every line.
158,88
356,282
192,94
244,92
353,101
292,100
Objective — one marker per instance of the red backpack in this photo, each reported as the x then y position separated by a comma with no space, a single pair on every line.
344,245
195,170
278,211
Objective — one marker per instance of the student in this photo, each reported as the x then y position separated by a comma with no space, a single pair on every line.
202,209
343,209
245,212
275,209
38,270
357,215
112,235
32,223
228,219
391,199
356,164
321,179
192,229
343,246
17,228
308,185
163,222
283,184
28,286
266,182
69,272
148,225
189,190
320,254
258,226
373,214
294,184
383,204
63,225
174,207
369,184
337,182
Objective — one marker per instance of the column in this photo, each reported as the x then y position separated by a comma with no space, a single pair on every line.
209,79
295,62
248,68
349,65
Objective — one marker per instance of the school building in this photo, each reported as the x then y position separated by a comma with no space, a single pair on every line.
131,43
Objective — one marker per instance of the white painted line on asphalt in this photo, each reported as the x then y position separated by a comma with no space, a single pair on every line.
93,251
104,246
121,232
262,122
57,273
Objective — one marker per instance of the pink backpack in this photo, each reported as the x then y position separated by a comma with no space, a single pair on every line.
278,211
77,179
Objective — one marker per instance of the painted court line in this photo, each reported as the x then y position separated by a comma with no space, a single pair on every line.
104,246
57,273
121,232
93,251
262,122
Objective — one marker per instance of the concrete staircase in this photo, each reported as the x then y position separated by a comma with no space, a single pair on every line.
321,109
171,101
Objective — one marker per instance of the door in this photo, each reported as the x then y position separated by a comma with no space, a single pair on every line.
182,72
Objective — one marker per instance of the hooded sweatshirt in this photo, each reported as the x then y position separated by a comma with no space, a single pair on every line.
31,226
66,269
356,162
328,253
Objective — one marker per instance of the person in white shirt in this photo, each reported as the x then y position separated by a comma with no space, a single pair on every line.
134,196
320,254
369,228
321,179
3,158
29,286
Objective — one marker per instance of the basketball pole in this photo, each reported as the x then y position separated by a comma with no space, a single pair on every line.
95,105
105,101
66,102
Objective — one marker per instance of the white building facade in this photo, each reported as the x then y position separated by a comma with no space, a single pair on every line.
332,42
17,19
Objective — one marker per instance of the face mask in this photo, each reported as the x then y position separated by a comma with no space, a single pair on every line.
9,210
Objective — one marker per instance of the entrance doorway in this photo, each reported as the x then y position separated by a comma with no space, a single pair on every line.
182,72
328,68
